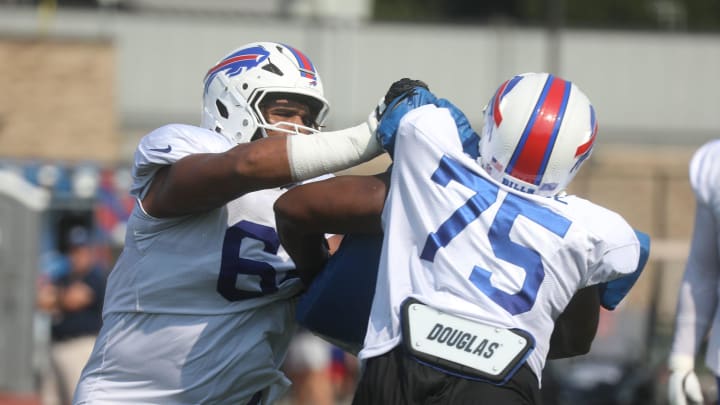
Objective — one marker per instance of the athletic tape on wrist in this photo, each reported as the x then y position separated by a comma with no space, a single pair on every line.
328,152
681,362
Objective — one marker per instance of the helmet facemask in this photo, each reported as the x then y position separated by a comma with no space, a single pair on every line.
316,114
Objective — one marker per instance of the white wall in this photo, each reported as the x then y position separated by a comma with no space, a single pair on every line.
647,87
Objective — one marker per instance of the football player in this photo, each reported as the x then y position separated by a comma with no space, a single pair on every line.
482,249
199,306
697,307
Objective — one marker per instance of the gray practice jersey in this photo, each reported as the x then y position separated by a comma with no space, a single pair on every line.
196,309
225,260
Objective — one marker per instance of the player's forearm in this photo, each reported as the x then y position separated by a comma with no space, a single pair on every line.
206,181
692,318
329,152
697,297
309,251
279,160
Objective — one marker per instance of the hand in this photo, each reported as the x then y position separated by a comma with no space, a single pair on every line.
683,385
407,94
77,296
401,87
47,298
373,118
403,96
396,89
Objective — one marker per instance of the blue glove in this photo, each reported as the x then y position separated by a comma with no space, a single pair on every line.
395,110
405,95
612,292
468,136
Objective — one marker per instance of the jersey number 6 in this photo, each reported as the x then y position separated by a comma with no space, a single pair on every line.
237,271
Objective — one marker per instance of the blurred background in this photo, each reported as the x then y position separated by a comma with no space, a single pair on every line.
82,81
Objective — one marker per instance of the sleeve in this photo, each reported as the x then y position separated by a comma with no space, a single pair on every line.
697,298
613,291
168,144
617,248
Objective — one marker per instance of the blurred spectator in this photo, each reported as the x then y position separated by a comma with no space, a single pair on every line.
321,373
72,294
308,365
344,370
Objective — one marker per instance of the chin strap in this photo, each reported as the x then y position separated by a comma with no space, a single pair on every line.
259,134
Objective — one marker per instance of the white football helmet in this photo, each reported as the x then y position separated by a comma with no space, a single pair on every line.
239,82
538,131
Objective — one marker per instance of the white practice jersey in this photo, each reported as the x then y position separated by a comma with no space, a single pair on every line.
223,261
697,311
460,242
198,308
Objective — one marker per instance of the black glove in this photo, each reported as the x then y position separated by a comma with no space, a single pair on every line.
402,86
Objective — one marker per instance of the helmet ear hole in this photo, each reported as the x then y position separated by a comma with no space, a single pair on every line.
222,109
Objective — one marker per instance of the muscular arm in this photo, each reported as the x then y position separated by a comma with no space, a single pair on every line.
341,205
575,328
201,182
205,181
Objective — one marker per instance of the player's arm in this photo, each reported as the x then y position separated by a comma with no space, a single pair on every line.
204,181
575,328
340,205
697,298
696,307
697,295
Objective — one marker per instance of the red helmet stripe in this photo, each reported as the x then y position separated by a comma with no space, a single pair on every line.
306,67
497,115
530,158
587,145
582,149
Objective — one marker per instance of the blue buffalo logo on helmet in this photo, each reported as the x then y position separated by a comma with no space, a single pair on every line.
237,63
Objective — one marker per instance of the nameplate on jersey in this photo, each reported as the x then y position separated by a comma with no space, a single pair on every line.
462,346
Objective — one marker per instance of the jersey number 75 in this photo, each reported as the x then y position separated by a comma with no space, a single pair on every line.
512,206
